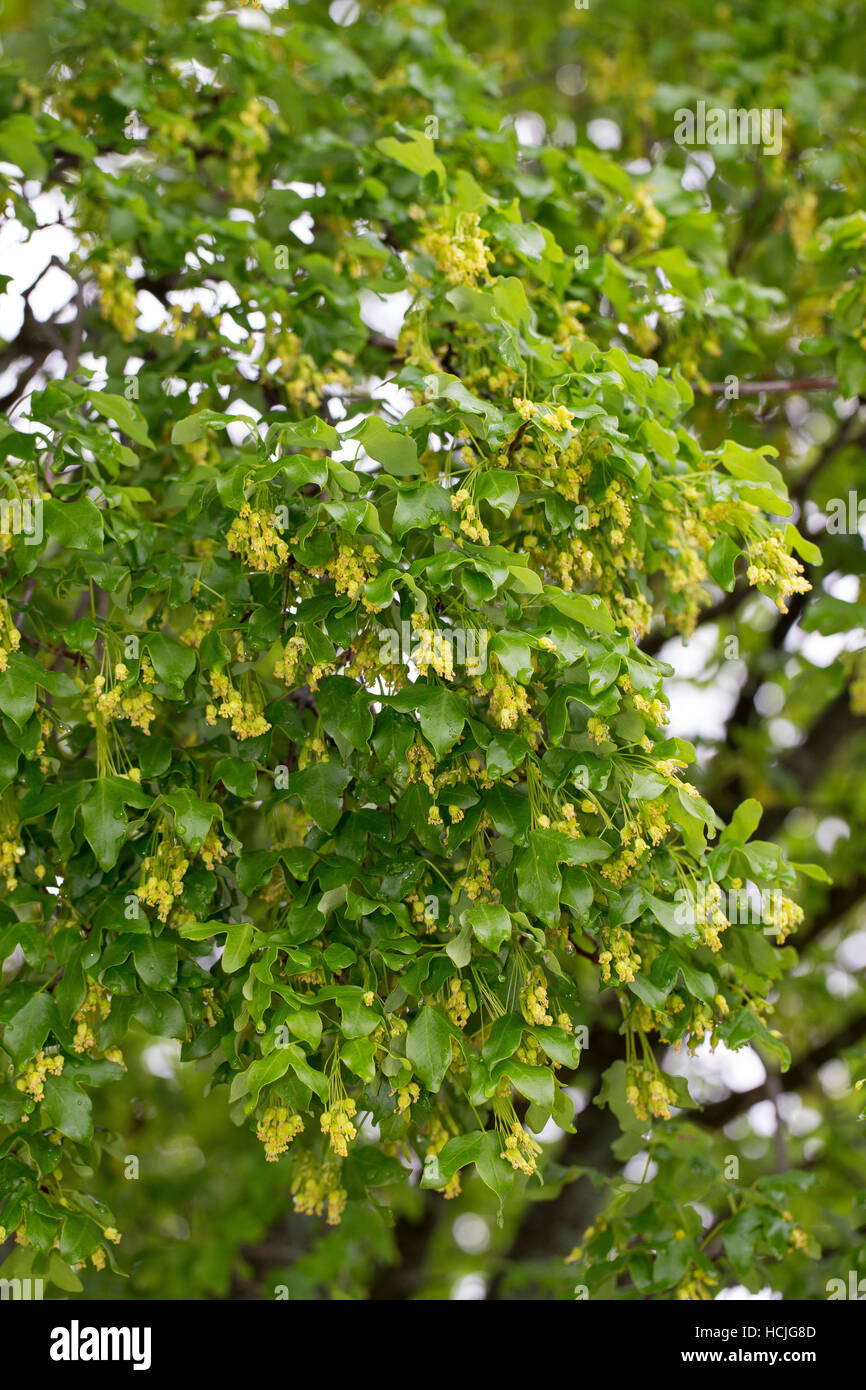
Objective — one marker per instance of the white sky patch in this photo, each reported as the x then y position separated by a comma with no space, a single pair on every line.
384,313
711,1074
740,1294
604,133
471,1288
471,1232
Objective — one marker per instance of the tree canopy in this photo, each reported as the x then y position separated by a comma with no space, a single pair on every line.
398,417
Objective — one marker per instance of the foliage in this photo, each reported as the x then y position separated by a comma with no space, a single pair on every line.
348,375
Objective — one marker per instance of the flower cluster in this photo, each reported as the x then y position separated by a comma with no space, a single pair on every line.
520,1149
509,702
117,294
697,1287
406,1096
289,664
32,1080
96,1006
457,1002
276,1129
619,951
11,850
244,715
439,1136
710,917
534,1002
10,637
771,566
162,875
212,851
470,522
783,914
115,699
648,1093
462,255
253,536
351,570
317,1190
337,1124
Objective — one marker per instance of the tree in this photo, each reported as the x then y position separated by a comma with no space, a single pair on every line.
352,491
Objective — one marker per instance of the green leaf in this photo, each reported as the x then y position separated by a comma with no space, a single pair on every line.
442,715
721,560
320,788
155,960
267,1070
397,452
75,525
491,925
172,662
104,819
67,1108
29,1027
538,880
417,154
428,1046
124,414
193,816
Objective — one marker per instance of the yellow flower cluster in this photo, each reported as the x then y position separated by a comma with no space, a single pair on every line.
567,822
470,522
439,1136
456,1003
422,764
162,876
253,536
462,255
648,1093
351,570
203,622
406,1096
96,1006
11,850
337,1124
772,566
10,637
520,1150
247,721
619,951
212,851
422,915
509,702
477,882
783,914
434,649
655,710
317,1189
110,702
710,917
32,1081
697,1287
598,731
289,664
276,1130
117,294
534,1002
654,822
